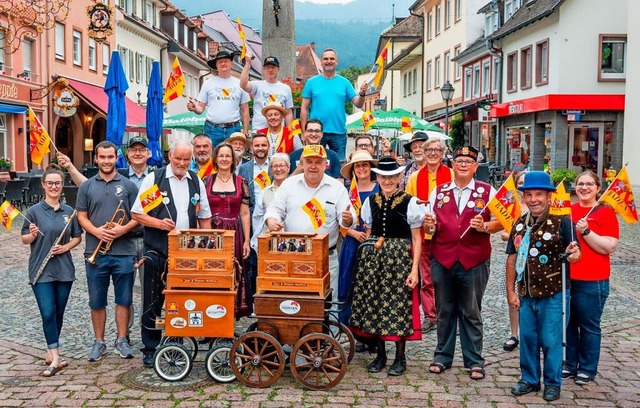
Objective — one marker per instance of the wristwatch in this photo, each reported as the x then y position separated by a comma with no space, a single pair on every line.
586,232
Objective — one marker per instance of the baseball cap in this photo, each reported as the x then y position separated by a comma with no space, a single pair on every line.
314,151
271,61
138,139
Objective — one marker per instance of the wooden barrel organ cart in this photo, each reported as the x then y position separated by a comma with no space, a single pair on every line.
292,303
199,302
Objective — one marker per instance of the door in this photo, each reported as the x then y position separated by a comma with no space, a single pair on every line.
586,145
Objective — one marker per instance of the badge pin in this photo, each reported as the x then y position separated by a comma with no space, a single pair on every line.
446,199
543,259
470,204
519,227
194,200
538,244
474,195
196,196
166,200
439,196
533,252
480,190
546,236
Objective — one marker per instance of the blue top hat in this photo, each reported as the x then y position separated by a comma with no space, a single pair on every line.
537,180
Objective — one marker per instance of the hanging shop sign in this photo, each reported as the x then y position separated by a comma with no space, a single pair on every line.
100,21
65,102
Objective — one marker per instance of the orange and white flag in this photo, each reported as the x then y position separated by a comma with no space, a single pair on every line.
294,128
619,195
380,63
367,120
38,139
8,212
150,198
243,37
262,179
560,201
505,205
315,212
405,125
176,82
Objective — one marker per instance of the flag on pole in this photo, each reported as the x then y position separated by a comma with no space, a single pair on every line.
150,198
620,196
315,212
294,128
38,139
243,37
354,196
8,212
176,82
206,169
505,205
380,63
405,125
263,180
560,201
367,120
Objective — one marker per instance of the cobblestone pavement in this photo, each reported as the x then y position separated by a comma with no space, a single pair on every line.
117,382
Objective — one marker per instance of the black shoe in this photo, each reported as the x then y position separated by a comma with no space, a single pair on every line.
551,393
360,347
398,367
378,364
147,358
523,387
567,374
510,344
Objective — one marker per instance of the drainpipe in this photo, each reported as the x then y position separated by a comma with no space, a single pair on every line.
497,53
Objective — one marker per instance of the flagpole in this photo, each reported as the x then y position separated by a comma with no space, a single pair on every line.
29,221
483,210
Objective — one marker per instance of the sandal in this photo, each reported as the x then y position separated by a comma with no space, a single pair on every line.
567,374
50,371
62,363
511,344
437,367
477,370
583,379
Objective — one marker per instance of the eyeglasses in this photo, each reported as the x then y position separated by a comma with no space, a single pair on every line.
313,131
278,166
364,146
432,150
53,183
586,184
138,150
464,162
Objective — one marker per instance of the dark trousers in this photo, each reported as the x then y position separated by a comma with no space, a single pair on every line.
459,301
152,299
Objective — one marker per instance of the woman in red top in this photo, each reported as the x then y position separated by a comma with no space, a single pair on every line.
597,226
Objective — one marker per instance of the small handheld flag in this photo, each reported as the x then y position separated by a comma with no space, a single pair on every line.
367,120
619,195
294,128
405,125
39,138
505,205
175,83
243,37
150,198
8,212
560,201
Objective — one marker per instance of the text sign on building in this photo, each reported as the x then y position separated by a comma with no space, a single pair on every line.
573,112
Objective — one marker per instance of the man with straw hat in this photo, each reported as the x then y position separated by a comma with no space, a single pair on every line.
537,248
280,140
239,144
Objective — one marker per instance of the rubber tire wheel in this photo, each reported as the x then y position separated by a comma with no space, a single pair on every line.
189,342
217,363
172,362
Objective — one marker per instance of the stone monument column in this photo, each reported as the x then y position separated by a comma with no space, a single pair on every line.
278,34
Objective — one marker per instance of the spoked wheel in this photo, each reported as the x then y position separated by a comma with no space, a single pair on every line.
189,342
217,363
172,362
264,326
318,361
257,359
337,330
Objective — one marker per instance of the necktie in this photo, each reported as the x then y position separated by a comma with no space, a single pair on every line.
521,260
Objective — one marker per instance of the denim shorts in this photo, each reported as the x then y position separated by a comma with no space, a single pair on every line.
119,268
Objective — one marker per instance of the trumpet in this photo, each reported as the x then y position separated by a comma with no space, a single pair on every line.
46,259
117,218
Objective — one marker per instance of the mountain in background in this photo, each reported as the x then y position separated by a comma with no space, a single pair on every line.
352,29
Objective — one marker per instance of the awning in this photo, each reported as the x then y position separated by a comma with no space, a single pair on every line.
94,95
7,108
558,102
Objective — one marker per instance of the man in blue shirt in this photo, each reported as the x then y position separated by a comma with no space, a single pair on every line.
312,136
323,98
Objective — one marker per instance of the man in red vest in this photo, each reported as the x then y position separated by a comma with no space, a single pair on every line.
461,249
280,140
420,184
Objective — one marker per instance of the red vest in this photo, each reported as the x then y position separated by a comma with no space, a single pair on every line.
443,175
447,246
286,144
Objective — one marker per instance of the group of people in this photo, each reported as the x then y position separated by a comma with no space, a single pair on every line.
416,236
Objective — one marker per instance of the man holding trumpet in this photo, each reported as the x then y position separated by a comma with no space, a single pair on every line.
104,212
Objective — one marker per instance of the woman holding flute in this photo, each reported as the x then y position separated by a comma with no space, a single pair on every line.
52,231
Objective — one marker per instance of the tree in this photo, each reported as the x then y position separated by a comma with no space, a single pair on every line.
456,132
352,73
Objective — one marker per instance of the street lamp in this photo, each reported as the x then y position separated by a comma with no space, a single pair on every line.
447,91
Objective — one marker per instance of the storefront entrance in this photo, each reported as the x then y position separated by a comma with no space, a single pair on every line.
586,142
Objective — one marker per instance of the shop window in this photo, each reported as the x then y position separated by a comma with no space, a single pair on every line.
613,57
525,68
512,72
542,62
518,142
607,151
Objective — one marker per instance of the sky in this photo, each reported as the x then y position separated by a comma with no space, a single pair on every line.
326,1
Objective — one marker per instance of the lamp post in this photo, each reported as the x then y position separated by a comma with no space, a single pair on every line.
447,91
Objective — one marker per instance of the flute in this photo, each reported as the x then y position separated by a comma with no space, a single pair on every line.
45,261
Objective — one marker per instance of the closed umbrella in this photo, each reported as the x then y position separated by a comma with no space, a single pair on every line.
115,88
155,114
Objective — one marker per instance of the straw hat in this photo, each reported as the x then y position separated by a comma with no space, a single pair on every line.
238,136
273,105
357,156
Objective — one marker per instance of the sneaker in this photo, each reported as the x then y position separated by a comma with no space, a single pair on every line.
428,325
98,350
147,358
122,347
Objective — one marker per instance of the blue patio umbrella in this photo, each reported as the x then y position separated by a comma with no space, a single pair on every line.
155,116
115,88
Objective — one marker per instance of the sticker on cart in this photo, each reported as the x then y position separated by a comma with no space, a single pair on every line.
189,304
178,323
172,307
195,319
289,307
216,311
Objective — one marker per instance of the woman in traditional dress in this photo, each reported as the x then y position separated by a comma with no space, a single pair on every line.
229,200
359,170
42,226
385,300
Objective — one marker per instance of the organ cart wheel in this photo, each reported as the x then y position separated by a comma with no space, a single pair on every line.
217,363
270,328
338,331
318,361
189,342
257,359
172,362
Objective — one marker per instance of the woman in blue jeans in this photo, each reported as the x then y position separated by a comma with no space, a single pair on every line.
598,233
44,223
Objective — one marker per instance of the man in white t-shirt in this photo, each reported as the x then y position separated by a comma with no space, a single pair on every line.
268,90
226,104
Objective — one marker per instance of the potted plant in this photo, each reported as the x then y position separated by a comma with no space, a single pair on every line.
569,176
5,164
